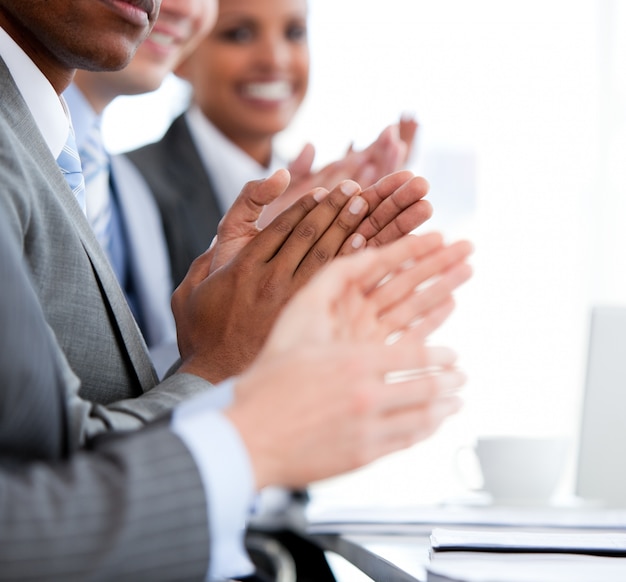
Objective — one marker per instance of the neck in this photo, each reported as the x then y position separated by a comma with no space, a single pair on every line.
96,89
59,74
259,149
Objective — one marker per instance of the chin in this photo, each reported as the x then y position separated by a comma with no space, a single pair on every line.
107,59
137,81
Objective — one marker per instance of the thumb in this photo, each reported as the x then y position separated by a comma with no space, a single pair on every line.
247,208
239,224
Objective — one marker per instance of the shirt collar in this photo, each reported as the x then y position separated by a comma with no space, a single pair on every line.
46,107
83,115
228,166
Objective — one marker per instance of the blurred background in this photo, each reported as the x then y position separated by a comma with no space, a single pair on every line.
522,112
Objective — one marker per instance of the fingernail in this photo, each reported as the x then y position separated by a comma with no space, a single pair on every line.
349,187
358,241
368,176
356,205
451,381
320,194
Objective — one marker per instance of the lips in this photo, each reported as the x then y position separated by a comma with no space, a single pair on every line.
136,12
148,6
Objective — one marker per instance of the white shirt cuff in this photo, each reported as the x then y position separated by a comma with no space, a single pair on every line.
226,474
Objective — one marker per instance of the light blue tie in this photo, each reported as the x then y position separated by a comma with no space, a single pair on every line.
96,169
103,214
69,163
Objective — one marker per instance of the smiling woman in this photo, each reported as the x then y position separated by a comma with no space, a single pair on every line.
251,73
249,77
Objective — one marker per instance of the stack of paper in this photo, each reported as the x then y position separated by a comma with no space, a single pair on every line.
408,520
506,555
511,540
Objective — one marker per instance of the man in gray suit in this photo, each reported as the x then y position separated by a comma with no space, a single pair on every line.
119,203
68,512
135,501
217,449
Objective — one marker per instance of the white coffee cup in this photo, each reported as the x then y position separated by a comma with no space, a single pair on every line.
518,470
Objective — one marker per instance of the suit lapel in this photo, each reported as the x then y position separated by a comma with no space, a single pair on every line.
27,133
188,168
111,290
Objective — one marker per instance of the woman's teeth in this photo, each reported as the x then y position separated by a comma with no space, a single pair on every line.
272,91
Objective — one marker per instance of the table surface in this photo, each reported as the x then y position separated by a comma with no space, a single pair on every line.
383,558
390,545
405,557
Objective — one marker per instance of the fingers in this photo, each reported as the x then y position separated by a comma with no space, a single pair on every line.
424,391
303,182
386,186
407,128
396,207
200,268
247,208
268,242
316,239
389,151
239,226
404,223
301,166
367,270
409,407
401,362
432,262
395,257
348,168
405,428
427,324
419,305
421,359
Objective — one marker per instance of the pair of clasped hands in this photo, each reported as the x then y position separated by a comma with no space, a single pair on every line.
309,336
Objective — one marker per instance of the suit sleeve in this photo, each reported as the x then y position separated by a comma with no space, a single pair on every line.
130,506
133,508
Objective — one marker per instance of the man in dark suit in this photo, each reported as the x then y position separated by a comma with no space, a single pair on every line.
91,373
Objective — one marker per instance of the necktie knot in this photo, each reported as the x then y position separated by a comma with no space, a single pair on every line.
69,163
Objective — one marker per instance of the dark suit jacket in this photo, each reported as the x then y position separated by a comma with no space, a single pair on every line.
180,184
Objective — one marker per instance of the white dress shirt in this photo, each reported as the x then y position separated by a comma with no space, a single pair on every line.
49,111
214,443
228,166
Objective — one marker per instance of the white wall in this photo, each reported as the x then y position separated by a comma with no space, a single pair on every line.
523,139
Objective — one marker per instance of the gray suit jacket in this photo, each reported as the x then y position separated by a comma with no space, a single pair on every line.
78,292
179,182
130,508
